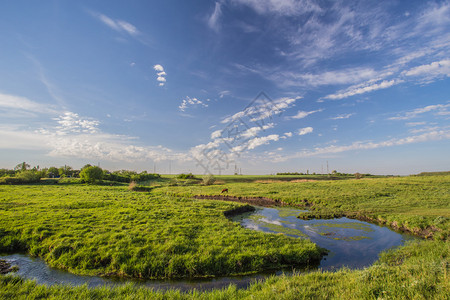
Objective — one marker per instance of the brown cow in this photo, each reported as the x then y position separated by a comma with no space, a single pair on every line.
224,190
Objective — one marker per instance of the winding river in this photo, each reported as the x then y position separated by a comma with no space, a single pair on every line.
352,243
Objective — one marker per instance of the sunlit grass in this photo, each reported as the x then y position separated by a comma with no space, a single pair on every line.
114,231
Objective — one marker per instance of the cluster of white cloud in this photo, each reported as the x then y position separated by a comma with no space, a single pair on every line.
261,109
239,131
188,101
71,135
71,122
160,74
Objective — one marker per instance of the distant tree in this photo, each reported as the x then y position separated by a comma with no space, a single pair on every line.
358,175
91,174
65,171
334,172
52,172
22,167
86,166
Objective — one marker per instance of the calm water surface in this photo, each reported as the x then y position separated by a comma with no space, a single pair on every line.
352,243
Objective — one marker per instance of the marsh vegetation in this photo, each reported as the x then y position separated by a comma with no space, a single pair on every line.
163,232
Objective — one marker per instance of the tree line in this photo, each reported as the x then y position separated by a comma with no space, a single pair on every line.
24,173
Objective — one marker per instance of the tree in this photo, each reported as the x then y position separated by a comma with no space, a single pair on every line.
91,174
66,171
22,167
53,172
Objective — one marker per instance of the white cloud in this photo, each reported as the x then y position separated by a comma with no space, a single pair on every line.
429,136
288,134
74,136
411,124
337,77
160,74
21,103
158,68
280,7
213,20
302,114
306,130
118,25
188,101
441,109
260,110
343,116
224,93
361,90
434,69
257,141
71,122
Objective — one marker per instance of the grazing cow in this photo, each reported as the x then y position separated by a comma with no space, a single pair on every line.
224,190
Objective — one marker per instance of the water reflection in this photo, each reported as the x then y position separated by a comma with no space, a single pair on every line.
352,243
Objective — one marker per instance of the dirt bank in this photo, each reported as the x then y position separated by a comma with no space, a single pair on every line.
258,201
5,267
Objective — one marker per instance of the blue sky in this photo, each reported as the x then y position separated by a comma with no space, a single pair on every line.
264,86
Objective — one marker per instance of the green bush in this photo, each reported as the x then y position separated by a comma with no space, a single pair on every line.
186,176
208,180
91,174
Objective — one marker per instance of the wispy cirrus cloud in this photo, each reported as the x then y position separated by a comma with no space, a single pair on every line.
343,116
438,109
117,24
429,136
13,102
213,20
361,89
282,8
303,114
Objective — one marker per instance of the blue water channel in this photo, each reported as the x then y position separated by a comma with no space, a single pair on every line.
352,243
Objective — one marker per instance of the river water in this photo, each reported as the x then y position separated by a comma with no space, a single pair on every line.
352,243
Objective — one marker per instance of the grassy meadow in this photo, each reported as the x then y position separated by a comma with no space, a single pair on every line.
420,204
111,230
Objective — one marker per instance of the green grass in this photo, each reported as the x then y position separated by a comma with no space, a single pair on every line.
419,270
110,230
420,204
75,226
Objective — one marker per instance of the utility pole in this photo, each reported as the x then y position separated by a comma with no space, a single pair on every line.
328,172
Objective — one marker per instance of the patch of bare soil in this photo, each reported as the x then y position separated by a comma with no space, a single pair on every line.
5,267
259,201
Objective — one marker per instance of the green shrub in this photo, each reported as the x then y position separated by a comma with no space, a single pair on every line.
208,180
91,174
186,176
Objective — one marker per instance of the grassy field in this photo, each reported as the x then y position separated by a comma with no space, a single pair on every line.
92,229
110,230
420,204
